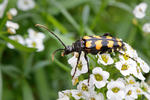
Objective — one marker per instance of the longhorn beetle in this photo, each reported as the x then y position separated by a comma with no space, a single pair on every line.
91,44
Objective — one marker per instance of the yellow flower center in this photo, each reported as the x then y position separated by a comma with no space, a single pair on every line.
9,16
79,94
131,82
129,92
138,90
26,2
105,58
126,56
115,89
124,67
34,44
84,87
75,81
80,65
144,89
98,77
93,98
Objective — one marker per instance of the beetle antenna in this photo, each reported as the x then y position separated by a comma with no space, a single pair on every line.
53,54
42,26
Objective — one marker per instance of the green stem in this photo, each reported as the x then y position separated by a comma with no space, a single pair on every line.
62,66
1,83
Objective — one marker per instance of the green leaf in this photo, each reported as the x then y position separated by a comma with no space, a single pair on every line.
56,23
28,64
18,45
27,91
41,64
10,70
66,14
85,14
1,84
42,85
120,5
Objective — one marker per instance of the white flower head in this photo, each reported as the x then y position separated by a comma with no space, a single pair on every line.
130,93
145,87
62,96
146,27
3,6
126,67
13,11
35,35
115,90
17,38
105,59
99,77
138,74
143,65
25,5
76,94
139,10
94,96
12,27
81,67
85,87
38,44
128,52
139,90
75,81
131,80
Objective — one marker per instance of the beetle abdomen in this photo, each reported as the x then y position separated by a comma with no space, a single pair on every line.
102,44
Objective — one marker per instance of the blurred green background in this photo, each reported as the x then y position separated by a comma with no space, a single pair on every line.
29,75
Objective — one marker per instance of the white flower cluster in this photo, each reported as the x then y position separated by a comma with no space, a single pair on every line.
101,85
140,12
35,40
23,5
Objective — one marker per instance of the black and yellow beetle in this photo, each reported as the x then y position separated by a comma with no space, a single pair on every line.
91,44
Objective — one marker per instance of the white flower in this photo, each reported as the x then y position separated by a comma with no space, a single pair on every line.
138,73
94,96
35,40
99,77
130,93
81,67
128,52
3,7
143,65
115,90
75,80
145,87
126,67
146,28
13,11
12,27
35,35
77,94
131,80
62,96
138,90
139,10
84,87
105,59
17,38
25,4
37,43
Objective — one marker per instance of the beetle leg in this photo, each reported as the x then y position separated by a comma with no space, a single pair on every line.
127,56
85,56
77,64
